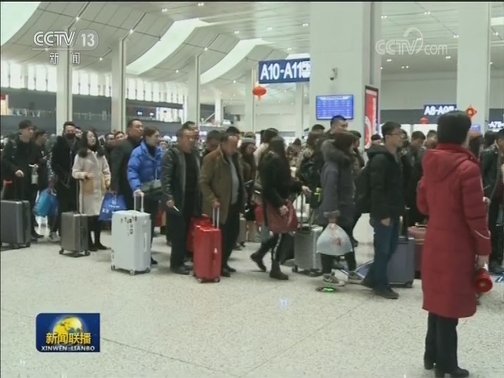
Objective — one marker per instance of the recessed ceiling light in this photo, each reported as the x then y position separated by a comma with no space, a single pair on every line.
496,34
131,31
77,18
381,68
419,38
176,71
404,67
46,49
201,4
491,63
234,94
383,17
447,57
270,28
455,36
101,59
234,81
237,32
426,12
278,101
305,24
289,48
389,60
292,103
206,48
164,10
306,94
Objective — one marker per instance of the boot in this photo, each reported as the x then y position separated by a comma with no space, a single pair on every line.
276,273
258,257
457,373
91,245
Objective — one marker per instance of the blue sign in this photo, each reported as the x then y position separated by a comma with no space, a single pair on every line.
476,128
284,71
327,107
438,109
64,332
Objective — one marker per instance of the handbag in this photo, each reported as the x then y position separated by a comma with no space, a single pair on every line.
152,188
281,224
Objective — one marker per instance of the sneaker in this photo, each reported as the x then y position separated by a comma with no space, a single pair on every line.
386,293
354,278
54,238
332,280
496,268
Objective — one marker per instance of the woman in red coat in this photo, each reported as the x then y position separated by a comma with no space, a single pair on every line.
457,240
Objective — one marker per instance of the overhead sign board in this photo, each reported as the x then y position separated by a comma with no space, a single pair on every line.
284,71
437,110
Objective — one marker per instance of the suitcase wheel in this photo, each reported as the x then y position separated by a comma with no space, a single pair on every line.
132,272
199,280
295,269
15,246
216,280
147,270
28,245
408,285
112,267
86,253
61,251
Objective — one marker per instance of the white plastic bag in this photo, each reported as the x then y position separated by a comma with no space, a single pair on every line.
334,241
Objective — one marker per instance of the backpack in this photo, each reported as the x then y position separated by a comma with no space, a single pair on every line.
309,174
363,191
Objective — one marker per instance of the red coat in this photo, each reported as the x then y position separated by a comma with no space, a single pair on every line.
451,194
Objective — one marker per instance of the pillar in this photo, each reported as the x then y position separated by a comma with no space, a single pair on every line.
64,93
299,110
219,110
352,54
473,54
118,112
193,91
250,100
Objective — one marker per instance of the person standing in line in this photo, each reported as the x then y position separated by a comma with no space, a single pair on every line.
222,188
92,170
181,195
212,142
144,170
387,205
457,240
62,158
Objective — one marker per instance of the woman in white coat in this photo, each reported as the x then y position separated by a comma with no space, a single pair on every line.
91,168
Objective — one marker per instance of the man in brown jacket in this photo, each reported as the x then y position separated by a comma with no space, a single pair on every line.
221,184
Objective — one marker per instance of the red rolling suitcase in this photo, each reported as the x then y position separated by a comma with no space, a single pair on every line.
195,222
207,251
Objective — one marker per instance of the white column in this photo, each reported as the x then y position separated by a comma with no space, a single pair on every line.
250,100
118,113
64,94
473,69
219,110
352,54
299,109
193,91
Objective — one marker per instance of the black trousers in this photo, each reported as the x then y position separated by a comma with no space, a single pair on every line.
441,342
94,229
327,260
230,231
179,227
496,232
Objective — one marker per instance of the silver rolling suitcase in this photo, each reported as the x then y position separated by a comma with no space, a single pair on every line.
306,258
75,231
242,236
16,223
131,240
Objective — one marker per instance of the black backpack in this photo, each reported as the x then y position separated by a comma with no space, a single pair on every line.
309,174
363,191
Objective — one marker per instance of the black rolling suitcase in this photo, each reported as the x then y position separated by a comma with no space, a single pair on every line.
16,222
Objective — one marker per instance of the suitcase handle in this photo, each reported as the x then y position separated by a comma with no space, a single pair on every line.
216,217
141,203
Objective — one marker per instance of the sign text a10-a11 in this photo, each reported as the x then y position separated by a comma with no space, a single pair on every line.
284,71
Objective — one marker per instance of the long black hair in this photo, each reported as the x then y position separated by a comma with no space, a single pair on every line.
85,147
276,149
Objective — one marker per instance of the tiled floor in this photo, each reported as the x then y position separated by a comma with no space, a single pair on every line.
163,325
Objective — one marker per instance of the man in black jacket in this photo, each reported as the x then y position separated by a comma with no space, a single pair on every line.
21,158
492,160
387,205
181,195
212,142
62,158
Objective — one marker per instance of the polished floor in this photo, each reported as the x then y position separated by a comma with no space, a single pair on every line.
163,325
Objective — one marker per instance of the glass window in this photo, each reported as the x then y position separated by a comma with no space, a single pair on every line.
5,74
108,87
84,83
148,91
31,78
140,90
93,84
52,79
15,76
41,78
131,90
155,92
75,82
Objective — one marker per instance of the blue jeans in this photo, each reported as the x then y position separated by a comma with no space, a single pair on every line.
385,244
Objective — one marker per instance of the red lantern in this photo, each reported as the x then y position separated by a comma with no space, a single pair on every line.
424,120
259,91
471,112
